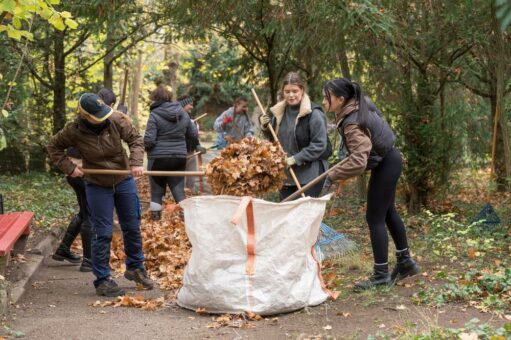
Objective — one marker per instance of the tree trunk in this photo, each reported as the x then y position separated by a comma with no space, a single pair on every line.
135,88
108,70
171,58
501,151
59,86
124,86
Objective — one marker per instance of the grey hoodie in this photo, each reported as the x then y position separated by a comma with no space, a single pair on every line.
167,129
237,129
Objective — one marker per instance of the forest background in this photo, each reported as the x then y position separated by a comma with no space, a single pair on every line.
438,70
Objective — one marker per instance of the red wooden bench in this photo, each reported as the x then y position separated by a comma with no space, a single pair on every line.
12,227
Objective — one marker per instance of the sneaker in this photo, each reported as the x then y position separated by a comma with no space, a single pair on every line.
86,265
140,277
109,288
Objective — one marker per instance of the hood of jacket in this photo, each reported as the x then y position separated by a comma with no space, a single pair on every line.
171,111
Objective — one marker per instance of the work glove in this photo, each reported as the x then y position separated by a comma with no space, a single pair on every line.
290,161
201,149
227,120
265,119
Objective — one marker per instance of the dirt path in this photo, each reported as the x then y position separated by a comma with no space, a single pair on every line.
56,306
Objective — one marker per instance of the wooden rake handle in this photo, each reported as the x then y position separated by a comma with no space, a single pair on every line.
200,117
272,131
146,173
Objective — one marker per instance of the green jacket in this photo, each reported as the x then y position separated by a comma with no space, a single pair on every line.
103,151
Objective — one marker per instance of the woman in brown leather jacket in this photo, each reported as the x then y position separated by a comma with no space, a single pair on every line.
370,145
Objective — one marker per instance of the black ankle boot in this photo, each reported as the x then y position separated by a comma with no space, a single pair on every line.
156,215
380,277
64,253
405,266
86,265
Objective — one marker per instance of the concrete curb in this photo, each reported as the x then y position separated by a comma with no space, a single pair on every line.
34,259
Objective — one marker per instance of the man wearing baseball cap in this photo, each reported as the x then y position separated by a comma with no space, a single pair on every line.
98,132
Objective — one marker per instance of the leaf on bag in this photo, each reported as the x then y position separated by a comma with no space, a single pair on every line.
201,311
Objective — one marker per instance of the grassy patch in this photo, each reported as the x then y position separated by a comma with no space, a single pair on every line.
47,195
488,292
471,330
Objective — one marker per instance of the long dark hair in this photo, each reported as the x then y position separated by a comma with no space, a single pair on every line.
342,87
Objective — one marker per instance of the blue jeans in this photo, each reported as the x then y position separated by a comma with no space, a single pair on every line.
102,201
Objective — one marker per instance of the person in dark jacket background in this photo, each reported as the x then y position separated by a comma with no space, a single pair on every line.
168,128
97,133
370,145
192,146
301,128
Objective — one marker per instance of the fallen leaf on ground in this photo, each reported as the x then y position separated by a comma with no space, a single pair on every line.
344,314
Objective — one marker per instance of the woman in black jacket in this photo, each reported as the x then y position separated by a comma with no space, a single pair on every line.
370,144
165,137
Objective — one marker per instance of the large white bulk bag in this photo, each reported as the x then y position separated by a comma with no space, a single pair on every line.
265,267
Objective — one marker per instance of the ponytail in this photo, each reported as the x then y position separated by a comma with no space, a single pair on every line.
363,111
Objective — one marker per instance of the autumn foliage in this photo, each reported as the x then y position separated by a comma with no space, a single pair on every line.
248,168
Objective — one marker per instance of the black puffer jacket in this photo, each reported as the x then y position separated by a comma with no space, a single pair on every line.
167,129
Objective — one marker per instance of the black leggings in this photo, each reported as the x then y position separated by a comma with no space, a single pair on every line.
84,227
79,187
381,207
159,184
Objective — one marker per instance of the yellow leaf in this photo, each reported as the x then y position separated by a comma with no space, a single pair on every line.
71,24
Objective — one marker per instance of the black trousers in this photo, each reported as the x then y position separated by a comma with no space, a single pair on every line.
79,188
159,184
83,226
381,207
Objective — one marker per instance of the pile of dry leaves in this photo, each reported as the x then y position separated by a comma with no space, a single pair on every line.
132,301
166,248
247,168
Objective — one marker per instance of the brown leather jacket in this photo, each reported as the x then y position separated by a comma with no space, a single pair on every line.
103,151
359,144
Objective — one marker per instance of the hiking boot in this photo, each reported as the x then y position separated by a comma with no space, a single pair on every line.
156,215
140,277
380,277
109,288
405,266
64,253
86,265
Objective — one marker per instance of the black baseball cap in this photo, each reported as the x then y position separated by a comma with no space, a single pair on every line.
93,106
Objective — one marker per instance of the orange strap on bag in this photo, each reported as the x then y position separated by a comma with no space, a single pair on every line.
330,294
246,207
